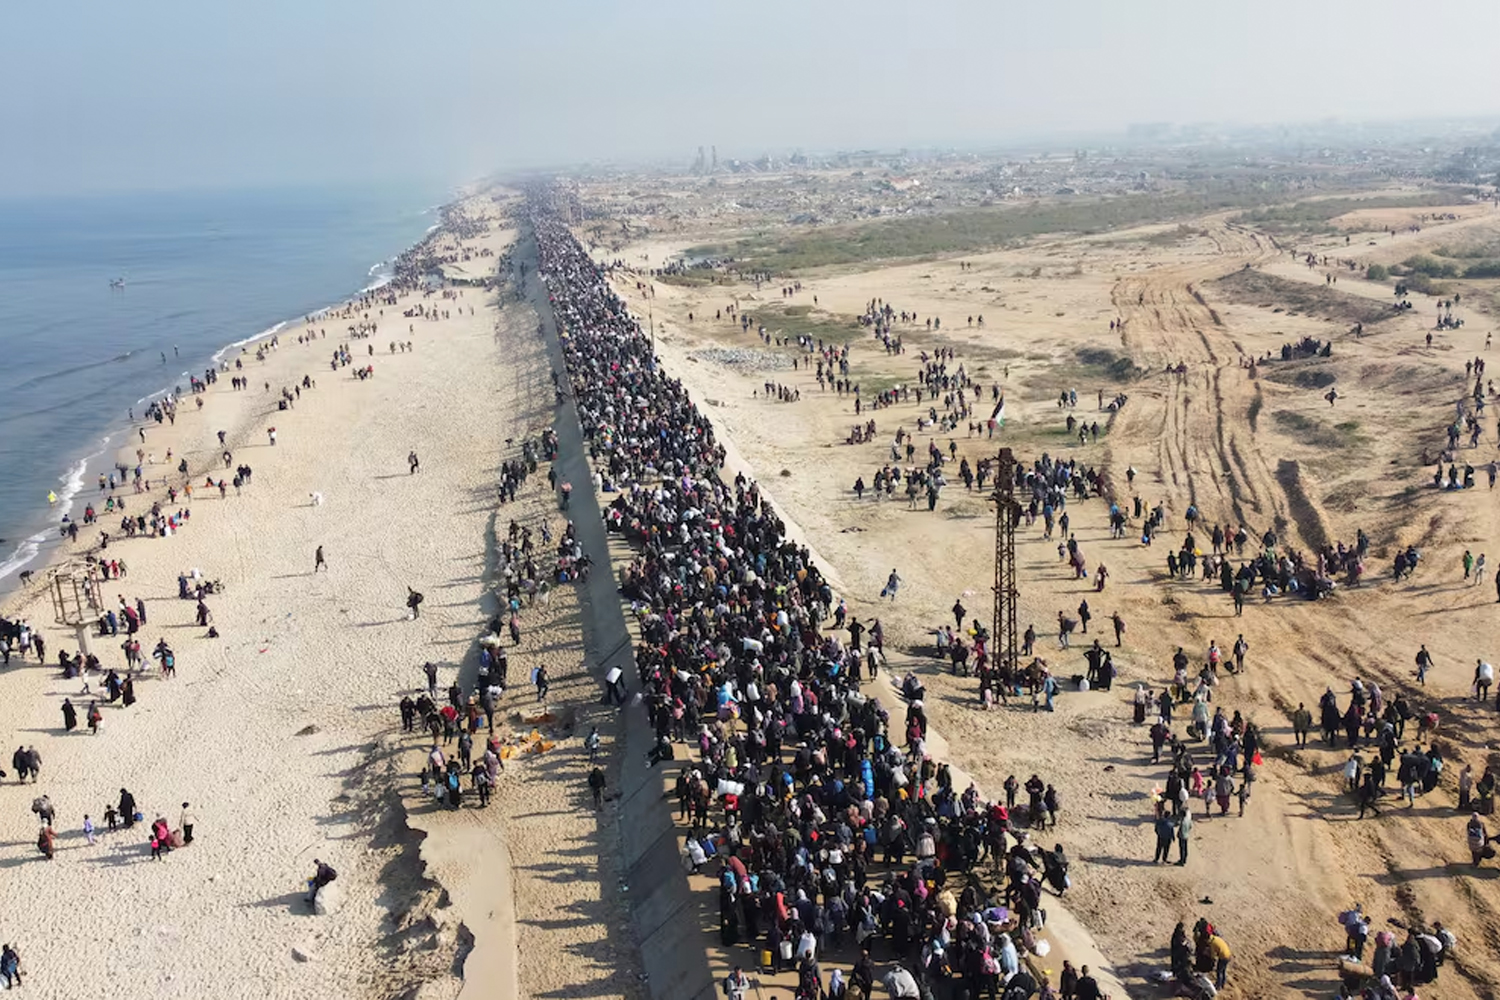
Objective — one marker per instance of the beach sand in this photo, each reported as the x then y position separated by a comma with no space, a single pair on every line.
283,733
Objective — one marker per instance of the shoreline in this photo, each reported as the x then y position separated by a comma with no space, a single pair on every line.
269,743
48,540
45,539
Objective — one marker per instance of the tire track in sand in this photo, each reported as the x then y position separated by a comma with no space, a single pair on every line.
1207,447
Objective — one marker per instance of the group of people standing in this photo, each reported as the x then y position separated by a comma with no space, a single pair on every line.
832,829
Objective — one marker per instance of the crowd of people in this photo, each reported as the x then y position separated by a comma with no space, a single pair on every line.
830,826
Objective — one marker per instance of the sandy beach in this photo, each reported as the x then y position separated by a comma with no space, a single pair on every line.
282,733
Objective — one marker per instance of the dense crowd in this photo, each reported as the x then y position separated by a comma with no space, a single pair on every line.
827,830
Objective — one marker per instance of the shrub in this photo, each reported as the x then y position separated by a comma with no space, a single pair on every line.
1431,266
1377,272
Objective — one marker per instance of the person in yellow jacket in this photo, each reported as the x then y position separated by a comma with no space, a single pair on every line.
1219,948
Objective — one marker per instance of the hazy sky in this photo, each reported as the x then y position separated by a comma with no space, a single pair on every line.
162,94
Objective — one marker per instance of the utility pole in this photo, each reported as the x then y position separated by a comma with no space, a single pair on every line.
1004,637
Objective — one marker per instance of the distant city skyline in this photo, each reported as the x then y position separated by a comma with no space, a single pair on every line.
160,95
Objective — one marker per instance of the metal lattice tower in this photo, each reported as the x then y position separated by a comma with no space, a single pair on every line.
1005,639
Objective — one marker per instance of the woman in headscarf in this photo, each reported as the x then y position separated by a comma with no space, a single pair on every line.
1182,954
1005,954
1380,962
837,988
1478,839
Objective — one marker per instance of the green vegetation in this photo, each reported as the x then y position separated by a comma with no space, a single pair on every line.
1107,362
980,229
1314,432
1474,251
1257,288
1315,216
795,320
697,278
1377,272
1431,267
1419,282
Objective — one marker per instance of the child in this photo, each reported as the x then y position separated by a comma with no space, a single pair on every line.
88,829
111,817
155,848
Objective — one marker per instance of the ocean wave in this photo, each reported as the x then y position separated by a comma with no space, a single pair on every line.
383,274
22,554
72,484
224,351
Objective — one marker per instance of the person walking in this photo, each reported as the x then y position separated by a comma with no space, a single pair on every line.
736,985
1424,658
1479,840
1119,624
323,874
1065,627
1087,987
1184,830
185,823
10,967
1301,724
1368,792
318,561
596,786
542,682
892,584
412,461
1166,830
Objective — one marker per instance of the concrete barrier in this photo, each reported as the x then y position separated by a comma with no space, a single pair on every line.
665,913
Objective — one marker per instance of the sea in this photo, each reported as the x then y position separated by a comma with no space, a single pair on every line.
109,301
